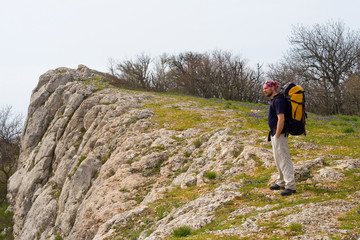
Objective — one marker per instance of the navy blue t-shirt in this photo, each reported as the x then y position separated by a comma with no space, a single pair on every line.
279,107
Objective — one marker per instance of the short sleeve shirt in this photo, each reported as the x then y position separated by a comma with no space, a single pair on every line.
279,104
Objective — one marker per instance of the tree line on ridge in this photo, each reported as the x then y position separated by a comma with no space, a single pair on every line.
324,59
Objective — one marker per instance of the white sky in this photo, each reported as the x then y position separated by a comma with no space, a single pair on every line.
40,35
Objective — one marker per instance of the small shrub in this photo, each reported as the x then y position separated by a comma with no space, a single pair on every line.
197,143
162,211
124,190
110,173
296,227
210,175
182,231
160,148
349,130
81,159
147,221
58,237
236,154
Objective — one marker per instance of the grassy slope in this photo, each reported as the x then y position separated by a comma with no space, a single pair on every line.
338,134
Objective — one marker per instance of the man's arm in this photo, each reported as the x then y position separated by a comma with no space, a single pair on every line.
280,124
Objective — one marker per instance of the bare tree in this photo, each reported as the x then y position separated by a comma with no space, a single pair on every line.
10,133
254,85
112,66
325,55
283,72
161,77
229,74
351,95
136,73
185,68
234,79
219,74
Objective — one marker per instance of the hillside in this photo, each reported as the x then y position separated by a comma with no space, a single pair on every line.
99,162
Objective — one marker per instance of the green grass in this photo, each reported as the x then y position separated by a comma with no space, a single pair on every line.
195,115
97,82
58,237
210,175
351,220
182,231
177,119
6,221
296,227
341,132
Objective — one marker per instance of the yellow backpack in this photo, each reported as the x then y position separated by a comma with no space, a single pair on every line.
295,114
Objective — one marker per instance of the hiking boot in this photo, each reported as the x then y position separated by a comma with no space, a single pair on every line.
276,187
287,192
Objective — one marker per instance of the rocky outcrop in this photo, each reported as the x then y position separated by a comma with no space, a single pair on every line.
96,160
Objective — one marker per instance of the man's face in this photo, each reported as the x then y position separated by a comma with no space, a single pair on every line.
268,91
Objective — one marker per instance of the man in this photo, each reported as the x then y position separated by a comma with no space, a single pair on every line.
279,141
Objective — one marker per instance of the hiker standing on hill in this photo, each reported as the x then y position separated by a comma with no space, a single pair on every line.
279,140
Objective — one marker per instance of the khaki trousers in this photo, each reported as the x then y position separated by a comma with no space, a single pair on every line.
283,162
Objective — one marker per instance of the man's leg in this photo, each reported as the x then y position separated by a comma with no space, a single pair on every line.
275,146
283,162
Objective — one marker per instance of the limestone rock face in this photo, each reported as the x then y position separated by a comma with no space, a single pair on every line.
95,159
74,139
